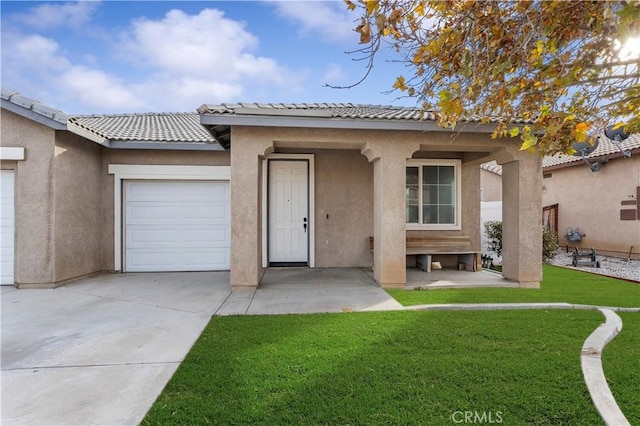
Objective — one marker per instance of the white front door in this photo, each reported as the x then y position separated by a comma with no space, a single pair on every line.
288,211
7,222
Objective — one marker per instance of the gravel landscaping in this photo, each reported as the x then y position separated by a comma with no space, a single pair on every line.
611,266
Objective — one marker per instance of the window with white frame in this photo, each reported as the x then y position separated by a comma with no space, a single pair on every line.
433,194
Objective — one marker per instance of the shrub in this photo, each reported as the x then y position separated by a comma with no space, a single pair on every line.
493,229
550,244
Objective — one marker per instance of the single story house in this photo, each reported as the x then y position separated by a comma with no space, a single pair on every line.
604,204
242,187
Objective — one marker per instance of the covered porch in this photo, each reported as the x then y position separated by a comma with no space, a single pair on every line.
357,187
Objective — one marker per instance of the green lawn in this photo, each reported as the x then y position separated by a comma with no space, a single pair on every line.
411,367
559,285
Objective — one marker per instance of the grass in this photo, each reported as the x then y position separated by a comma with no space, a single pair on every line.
411,367
621,362
384,368
558,285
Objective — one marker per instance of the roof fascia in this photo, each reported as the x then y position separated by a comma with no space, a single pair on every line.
172,146
34,116
74,128
337,123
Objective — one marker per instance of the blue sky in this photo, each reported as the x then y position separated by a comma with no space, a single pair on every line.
151,56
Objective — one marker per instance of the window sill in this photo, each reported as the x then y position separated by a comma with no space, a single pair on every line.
417,227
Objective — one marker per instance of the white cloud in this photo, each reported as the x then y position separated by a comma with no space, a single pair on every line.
208,48
330,19
334,75
55,15
99,90
174,63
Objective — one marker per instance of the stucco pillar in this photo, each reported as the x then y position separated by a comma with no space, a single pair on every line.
522,219
246,246
389,212
471,221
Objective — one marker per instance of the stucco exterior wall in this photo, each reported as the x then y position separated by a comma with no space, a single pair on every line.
150,157
592,202
491,185
78,207
344,208
34,195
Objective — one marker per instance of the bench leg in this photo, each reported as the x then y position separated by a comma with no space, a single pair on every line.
423,261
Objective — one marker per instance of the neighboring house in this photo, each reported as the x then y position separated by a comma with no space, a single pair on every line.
604,205
247,186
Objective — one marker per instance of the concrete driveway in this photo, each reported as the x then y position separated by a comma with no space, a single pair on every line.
100,350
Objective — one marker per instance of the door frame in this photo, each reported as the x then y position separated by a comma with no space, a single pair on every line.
311,203
123,172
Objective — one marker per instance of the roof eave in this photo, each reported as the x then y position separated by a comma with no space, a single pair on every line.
261,120
166,146
56,124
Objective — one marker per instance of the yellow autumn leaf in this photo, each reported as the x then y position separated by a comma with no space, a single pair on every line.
580,131
399,84
372,6
419,10
528,141
350,5
514,131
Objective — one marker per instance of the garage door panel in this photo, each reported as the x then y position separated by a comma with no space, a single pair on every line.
7,227
168,259
177,226
148,237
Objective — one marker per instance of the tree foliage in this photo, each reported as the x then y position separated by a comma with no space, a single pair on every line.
555,68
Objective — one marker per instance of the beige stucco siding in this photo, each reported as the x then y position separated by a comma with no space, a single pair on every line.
141,157
344,208
592,202
78,207
34,180
491,185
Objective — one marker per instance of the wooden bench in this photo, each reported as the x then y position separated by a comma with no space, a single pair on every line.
426,247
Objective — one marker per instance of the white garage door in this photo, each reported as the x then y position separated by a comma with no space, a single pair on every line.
7,223
177,226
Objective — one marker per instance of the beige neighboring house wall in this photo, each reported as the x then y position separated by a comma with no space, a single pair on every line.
57,203
491,185
593,201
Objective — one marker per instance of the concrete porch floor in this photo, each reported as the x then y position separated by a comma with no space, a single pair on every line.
450,278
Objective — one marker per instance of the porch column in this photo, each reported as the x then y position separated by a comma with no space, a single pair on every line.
246,232
389,220
522,219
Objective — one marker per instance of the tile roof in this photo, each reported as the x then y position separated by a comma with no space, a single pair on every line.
493,167
15,99
605,148
150,127
330,110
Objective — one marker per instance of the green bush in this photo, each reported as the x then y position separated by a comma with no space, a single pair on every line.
493,228
550,244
